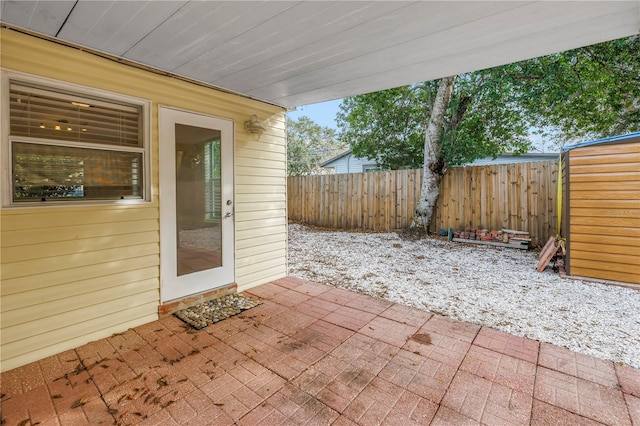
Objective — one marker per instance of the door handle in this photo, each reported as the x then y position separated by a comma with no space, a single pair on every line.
228,214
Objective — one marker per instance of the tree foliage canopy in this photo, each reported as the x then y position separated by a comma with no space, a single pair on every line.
589,92
582,93
308,145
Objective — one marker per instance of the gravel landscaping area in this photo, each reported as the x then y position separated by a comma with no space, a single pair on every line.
496,287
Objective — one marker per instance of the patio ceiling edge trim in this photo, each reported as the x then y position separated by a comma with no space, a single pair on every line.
132,63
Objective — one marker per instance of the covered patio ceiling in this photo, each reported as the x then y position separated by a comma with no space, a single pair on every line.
294,53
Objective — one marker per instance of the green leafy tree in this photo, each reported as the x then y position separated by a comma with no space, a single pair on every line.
390,125
587,92
590,92
308,145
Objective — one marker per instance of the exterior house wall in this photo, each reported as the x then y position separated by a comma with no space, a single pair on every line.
73,274
349,163
602,209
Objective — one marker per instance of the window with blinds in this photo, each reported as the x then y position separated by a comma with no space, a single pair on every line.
66,146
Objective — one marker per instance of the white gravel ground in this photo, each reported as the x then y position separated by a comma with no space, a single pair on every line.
496,287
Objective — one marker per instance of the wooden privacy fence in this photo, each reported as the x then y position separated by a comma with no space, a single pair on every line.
521,196
515,196
377,201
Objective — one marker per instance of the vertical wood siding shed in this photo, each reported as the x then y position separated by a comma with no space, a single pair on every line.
601,208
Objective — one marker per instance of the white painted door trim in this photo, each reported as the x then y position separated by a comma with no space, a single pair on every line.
173,286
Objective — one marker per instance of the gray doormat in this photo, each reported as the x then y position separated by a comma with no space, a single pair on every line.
212,311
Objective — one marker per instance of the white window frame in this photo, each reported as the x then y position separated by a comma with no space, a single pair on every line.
6,184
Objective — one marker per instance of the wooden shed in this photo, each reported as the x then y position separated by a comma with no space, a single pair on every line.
601,208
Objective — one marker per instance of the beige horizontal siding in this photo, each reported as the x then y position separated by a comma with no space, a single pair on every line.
272,240
85,245
251,219
53,313
72,274
74,232
260,232
72,337
261,154
43,217
262,270
63,262
251,181
17,326
266,256
250,169
73,333
25,298
273,223
77,274
604,212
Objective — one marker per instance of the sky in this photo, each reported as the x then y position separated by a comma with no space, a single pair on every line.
323,113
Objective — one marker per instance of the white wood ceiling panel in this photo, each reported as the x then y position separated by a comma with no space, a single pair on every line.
299,52
516,32
115,26
467,36
364,31
530,44
288,32
200,27
45,17
183,35
388,34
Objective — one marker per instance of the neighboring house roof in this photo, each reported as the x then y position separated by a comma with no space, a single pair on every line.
337,157
612,139
509,158
340,49
347,162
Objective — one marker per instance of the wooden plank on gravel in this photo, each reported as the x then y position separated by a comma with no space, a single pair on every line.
491,243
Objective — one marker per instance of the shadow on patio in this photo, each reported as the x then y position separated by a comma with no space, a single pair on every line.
314,354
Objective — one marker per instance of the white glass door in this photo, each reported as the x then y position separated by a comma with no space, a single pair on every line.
196,203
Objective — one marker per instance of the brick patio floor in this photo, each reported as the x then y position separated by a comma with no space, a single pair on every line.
313,354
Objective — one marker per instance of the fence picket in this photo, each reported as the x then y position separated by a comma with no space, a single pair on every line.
518,196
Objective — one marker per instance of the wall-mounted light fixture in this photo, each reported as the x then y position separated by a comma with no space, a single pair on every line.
253,125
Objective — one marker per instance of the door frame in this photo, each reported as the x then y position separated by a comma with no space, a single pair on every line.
172,286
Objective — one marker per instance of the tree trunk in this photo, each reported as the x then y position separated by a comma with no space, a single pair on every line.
431,171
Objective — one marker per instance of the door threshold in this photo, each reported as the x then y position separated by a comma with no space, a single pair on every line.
168,308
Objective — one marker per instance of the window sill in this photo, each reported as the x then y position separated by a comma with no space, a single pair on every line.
77,204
